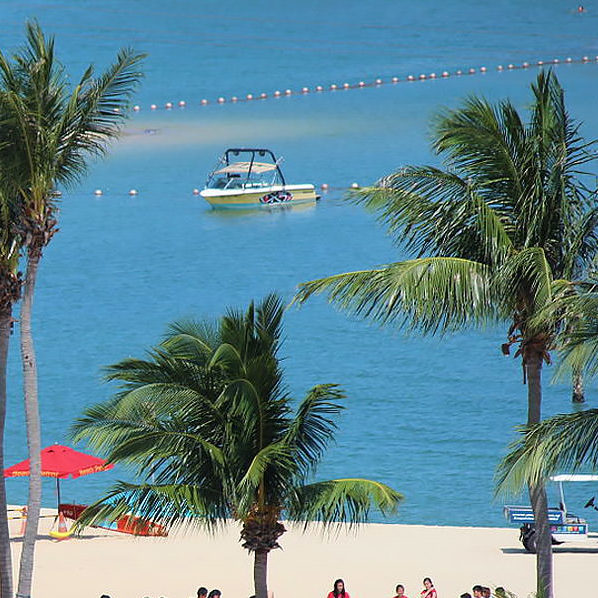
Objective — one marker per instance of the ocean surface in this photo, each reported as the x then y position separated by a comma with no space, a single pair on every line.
431,417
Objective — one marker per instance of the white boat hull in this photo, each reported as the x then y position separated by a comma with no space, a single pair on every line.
260,197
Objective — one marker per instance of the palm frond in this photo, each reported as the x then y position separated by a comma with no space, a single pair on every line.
433,211
427,294
566,442
314,425
341,501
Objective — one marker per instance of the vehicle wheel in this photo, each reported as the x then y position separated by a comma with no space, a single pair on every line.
528,537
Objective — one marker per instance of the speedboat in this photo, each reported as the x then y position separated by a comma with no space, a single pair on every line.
252,178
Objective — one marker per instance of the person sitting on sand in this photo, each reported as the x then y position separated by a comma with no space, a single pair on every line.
215,594
466,595
429,591
477,591
202,592
338,590
400,591
486,593
500,592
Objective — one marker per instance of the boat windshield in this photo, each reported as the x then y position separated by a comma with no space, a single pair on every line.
244,174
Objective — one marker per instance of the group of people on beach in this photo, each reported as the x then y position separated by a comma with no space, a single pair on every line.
429,591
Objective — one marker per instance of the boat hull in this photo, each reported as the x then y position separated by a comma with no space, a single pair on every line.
263,197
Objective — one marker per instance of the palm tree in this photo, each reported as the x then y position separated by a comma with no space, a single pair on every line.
496,234
566,441
52,132
211,430
10,290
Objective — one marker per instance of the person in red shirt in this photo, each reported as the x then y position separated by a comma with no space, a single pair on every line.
429,591
338,591
400,591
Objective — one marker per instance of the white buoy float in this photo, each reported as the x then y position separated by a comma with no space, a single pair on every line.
324,186
361,84
395,79
136,108
333,87
98,192
288,92
182,103
319,88
133,192
346,86
221,100
195,191
204,102
153,107
263,95
234,99
355,186
410,78
168,106
305,90
249,96
379,81
483,69
445,74
277,94
500,67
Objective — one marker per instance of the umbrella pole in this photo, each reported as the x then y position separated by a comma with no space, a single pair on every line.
58,494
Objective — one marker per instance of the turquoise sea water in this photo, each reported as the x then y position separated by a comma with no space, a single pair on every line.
430,417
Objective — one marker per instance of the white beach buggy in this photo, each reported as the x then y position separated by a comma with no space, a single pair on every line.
565,526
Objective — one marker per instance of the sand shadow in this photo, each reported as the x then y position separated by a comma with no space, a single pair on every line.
19,539
555,550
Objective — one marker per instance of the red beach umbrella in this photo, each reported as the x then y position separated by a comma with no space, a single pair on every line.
60,462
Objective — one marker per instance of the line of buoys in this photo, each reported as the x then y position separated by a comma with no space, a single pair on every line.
375,83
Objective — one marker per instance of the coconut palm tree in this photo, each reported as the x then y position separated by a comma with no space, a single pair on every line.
213,434
495,235
10,290
52,132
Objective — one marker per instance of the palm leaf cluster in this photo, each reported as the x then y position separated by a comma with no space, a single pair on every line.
212,433
492,233
50,128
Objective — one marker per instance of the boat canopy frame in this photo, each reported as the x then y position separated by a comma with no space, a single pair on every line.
231,156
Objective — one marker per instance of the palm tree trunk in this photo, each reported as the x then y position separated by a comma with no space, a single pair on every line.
32,420
260,573
6,590
578,395
537,493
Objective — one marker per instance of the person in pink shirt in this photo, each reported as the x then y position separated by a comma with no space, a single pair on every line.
400,591
429,591
338,591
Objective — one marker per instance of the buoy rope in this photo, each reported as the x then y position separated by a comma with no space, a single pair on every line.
445,74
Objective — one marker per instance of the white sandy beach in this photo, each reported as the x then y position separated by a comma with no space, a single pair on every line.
371,560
